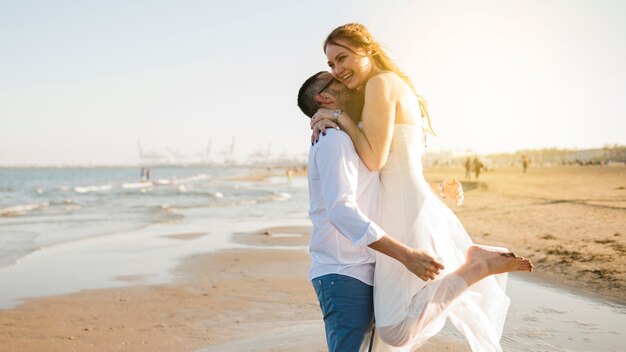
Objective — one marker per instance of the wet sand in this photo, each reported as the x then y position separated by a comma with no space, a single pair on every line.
232,300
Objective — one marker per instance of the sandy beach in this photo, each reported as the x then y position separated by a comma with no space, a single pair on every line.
568,220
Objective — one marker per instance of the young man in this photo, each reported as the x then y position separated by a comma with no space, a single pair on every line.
343,197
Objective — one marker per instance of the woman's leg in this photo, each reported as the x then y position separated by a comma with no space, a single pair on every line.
433,301
427,306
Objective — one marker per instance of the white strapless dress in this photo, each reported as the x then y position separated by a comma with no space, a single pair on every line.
407,309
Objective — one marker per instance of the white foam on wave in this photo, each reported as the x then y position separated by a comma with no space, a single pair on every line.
136,185
22,209
163,182
89,189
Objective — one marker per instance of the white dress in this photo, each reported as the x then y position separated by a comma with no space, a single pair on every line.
407,309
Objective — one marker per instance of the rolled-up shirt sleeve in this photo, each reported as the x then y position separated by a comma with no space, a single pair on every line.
337,163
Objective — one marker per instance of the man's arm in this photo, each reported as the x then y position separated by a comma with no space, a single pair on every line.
337,163
417,261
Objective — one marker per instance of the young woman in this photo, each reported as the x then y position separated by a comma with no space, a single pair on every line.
409,310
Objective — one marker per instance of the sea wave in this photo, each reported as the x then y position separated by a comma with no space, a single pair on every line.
89,189
12,251
22,209
136,185
192,178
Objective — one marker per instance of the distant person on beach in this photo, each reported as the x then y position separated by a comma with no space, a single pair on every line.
145,174
525,163
468,168
478,166
388,135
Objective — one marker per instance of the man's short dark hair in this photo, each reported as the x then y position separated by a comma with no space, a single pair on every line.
307,93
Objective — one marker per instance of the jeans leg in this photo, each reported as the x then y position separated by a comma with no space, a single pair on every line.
348,308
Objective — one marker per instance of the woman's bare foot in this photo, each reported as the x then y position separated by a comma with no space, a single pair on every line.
481,263
498,262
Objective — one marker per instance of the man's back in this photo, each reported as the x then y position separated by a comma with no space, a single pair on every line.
343,197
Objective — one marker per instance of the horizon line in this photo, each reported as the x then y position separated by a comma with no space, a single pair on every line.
289,162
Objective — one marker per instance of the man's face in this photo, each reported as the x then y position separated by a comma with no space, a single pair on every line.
333,95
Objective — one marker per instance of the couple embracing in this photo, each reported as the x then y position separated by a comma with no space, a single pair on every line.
384,247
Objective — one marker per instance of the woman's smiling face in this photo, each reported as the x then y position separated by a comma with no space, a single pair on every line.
350,66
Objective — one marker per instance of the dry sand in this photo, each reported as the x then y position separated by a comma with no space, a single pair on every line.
570,221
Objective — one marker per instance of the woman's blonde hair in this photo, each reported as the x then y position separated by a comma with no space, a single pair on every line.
359,36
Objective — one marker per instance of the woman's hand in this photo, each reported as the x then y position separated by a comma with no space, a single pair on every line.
451,188
323,118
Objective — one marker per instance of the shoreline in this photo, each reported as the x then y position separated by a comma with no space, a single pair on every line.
246,299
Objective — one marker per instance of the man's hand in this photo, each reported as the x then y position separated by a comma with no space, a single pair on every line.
422,264
417,261
452,189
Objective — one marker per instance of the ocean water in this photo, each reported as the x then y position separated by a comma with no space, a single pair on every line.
44,207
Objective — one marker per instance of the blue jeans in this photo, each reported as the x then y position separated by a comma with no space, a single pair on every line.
348,308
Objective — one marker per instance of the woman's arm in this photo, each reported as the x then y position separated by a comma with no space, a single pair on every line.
373,141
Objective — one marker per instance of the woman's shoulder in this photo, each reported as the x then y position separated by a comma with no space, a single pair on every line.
385,76
386,79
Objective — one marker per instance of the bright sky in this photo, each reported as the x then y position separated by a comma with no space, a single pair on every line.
81,82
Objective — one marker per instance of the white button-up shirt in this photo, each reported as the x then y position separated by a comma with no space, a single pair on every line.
343,197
